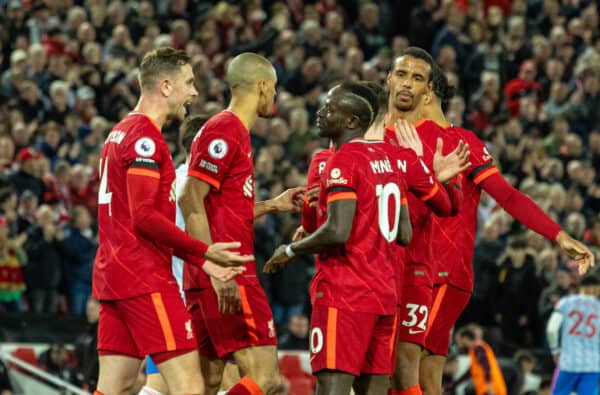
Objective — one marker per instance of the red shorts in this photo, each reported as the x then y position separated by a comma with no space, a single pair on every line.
220,335
351,342
413,314
451,302
147,324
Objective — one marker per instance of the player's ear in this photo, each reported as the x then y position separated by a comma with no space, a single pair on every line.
354,122
166,87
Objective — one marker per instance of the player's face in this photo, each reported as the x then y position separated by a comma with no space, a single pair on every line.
267,95
183,91
408,82
331,118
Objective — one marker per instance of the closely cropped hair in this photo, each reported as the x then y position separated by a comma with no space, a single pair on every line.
382,96
159,62
420,53
367,98
189,129
440,86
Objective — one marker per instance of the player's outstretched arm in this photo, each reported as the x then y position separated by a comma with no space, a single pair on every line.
335,231
191,203
523,209
289,200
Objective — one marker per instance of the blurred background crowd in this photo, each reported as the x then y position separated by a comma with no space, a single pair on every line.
528,80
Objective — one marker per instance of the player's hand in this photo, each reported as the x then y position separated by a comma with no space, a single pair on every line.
228,296
299,234
289,200
312,196
449,166
222,273
221,254
278,260
576,250
407,136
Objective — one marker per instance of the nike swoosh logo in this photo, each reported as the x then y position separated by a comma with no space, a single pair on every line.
411,331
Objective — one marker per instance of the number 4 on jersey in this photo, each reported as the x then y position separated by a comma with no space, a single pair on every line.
104,197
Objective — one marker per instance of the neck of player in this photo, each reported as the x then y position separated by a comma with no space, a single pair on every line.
154,109
245,108
346,136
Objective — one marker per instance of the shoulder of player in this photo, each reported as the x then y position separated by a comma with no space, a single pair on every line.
322,155
223,126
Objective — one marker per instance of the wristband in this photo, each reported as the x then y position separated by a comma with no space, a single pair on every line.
288,251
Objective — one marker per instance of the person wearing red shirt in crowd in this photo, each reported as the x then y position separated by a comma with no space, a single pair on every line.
141,311
232,318
353,291
454,246
522,86
409,84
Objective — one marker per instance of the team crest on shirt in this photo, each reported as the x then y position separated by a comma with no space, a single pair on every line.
145,147
217,148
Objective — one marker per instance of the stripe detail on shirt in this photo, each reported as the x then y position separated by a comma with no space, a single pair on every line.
203,177
431,193
332,197
136,171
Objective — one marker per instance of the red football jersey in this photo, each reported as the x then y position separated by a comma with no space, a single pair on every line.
359,275
455,241
221,156
310,211
418,254
127,265
422,186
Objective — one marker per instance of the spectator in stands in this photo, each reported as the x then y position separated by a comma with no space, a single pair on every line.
5,386
86,345
44,272
524,85
296,337
80,245
55,361
26,178
12,259
550,296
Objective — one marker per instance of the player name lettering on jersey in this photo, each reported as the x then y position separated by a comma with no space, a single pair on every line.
116,136
381,166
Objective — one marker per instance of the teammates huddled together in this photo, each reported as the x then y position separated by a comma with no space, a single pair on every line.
389,211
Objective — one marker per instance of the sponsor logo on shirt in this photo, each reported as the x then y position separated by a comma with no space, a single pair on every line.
336,177
209,166
217,148
145,147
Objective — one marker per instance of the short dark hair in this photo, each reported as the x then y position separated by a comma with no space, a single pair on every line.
466,332
382,96
158,62
441,88
420,53
189,129
591,280
368,100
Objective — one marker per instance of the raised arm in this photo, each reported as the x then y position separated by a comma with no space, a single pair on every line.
523,209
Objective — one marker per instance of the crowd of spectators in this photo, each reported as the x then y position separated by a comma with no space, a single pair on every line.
528,79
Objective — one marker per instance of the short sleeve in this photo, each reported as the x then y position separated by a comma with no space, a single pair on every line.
482,163
143,153
213,152
316,167
341,177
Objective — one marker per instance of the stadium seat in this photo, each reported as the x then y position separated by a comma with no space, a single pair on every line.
26,354
289,365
